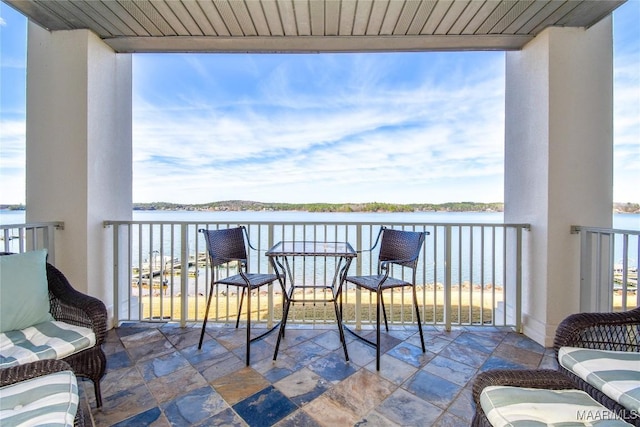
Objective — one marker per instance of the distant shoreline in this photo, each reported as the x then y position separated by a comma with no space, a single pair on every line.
371,207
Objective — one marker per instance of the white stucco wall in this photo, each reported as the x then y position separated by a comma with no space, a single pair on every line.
78,148
558,161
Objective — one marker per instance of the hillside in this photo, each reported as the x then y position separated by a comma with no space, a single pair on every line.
245,205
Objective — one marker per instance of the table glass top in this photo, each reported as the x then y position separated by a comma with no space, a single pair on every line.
309,248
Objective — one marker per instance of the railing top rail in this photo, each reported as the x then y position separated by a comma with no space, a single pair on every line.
576,229
57,224
408,223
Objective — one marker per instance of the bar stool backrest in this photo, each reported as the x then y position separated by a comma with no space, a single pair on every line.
401,245
225,245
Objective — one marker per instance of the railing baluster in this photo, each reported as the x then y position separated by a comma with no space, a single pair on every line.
482,288
505,293
493,276
587,292
270,308
447,278
435,273
625,269
608,269
358,303
116,279
184,276
171,283
21,242
471,248
130,271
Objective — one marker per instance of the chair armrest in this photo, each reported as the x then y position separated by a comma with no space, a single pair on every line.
71,306
530,378
606,331
375,244
15,374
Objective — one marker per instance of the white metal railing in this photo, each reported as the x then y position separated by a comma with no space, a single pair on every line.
467,273
18,238
609,260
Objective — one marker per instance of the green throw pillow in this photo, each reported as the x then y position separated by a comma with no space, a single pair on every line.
24,292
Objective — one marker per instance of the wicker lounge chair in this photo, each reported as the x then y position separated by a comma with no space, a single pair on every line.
75,308
601,331
19,373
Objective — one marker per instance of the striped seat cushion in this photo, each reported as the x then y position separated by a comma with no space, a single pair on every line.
530,407
615,373
47,340
50,400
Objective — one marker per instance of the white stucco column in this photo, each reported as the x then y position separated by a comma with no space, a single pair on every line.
78,149
558,161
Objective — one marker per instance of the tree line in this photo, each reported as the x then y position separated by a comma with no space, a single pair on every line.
245,205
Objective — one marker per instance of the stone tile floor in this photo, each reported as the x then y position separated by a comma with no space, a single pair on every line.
156,376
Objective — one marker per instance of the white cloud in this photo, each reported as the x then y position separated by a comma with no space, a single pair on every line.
626,174
363,144
12,160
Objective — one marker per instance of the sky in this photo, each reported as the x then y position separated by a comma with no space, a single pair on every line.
302,128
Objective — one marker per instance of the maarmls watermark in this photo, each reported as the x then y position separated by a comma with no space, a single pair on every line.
606,414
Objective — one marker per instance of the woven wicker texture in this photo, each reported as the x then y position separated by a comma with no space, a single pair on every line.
603,331
401,247
225,245
73,307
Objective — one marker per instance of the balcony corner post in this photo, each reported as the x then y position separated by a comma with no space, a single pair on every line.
447,279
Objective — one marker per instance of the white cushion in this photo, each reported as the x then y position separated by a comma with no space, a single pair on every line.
519,406
47,340
615,373
50,400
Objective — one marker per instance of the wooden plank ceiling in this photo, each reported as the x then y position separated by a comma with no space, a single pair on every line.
313,25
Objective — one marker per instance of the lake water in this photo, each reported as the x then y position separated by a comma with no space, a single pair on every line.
298,216
621,221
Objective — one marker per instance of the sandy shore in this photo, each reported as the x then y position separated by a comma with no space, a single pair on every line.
224,307
466,306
